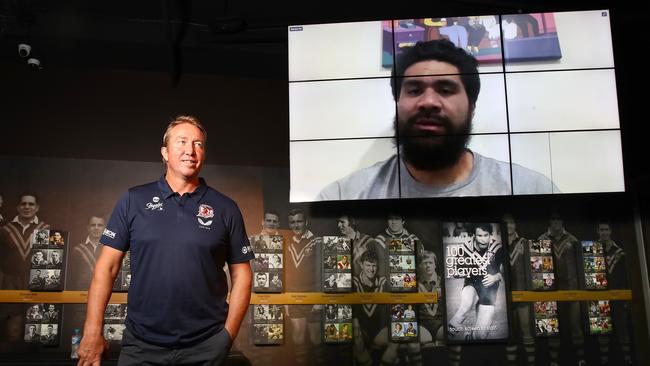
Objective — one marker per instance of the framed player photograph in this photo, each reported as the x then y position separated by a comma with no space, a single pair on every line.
41,238
594,265
403,323
542,266
43,324
50,334
402,265
475,282
114,332
123,279
337,264
114,317
546,318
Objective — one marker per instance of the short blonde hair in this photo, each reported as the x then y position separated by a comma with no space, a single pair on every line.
184,119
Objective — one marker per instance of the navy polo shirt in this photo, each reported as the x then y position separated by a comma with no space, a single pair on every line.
179,245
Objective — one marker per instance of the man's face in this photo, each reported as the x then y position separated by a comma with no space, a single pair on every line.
128,279
297,223
261,279
428,265
604,232
57,237
556,225
433,115
55,257
32,329
482,238
27,208
511,226
96,226
271,221
395,224
38,273
343,223
369,269
38,256
344,260
50,308
185,151
50,329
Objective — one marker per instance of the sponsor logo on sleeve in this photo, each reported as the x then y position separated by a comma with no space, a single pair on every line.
246,248
109,233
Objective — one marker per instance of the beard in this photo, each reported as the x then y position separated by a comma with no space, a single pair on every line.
431,151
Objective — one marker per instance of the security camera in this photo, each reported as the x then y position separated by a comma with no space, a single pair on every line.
24,50
34,63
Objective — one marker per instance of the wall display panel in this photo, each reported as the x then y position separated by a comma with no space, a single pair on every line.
546,85
43,324
546,318
542,266
403,323
600,317
594,265
268,324
402,263
48,263
562,100
337,264
269,263
114,318
337,323
475,282
584,39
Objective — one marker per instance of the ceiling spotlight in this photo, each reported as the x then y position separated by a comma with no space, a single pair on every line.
24,50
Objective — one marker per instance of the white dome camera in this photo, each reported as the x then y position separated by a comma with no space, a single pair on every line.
24,50
34,63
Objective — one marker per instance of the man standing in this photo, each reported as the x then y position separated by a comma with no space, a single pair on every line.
436,86
519,254
302,275
15,243
84,255
180,233
565,247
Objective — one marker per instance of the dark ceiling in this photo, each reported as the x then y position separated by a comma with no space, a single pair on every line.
201,36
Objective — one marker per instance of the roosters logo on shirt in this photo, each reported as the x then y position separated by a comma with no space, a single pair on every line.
206,212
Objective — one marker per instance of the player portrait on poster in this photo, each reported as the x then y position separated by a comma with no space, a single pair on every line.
337,264
42,324
475,285
47,260
268,263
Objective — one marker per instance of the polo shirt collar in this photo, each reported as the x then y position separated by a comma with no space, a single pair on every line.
167,191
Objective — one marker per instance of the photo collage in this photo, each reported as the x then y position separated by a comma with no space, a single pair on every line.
595,266
114,318
337,323
401,264
546,318
337,264
600,317
403,323
268,324
48,260
268,264
541,265
43,324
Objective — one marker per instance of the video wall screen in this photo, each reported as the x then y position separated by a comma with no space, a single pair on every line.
544,119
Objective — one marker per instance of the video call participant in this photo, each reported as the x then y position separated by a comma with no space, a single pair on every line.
479,292
565,249
180,234
519,257
436,99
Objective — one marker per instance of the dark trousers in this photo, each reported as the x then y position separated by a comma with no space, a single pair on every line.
211,352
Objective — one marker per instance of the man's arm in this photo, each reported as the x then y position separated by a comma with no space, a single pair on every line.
241,277
93,343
